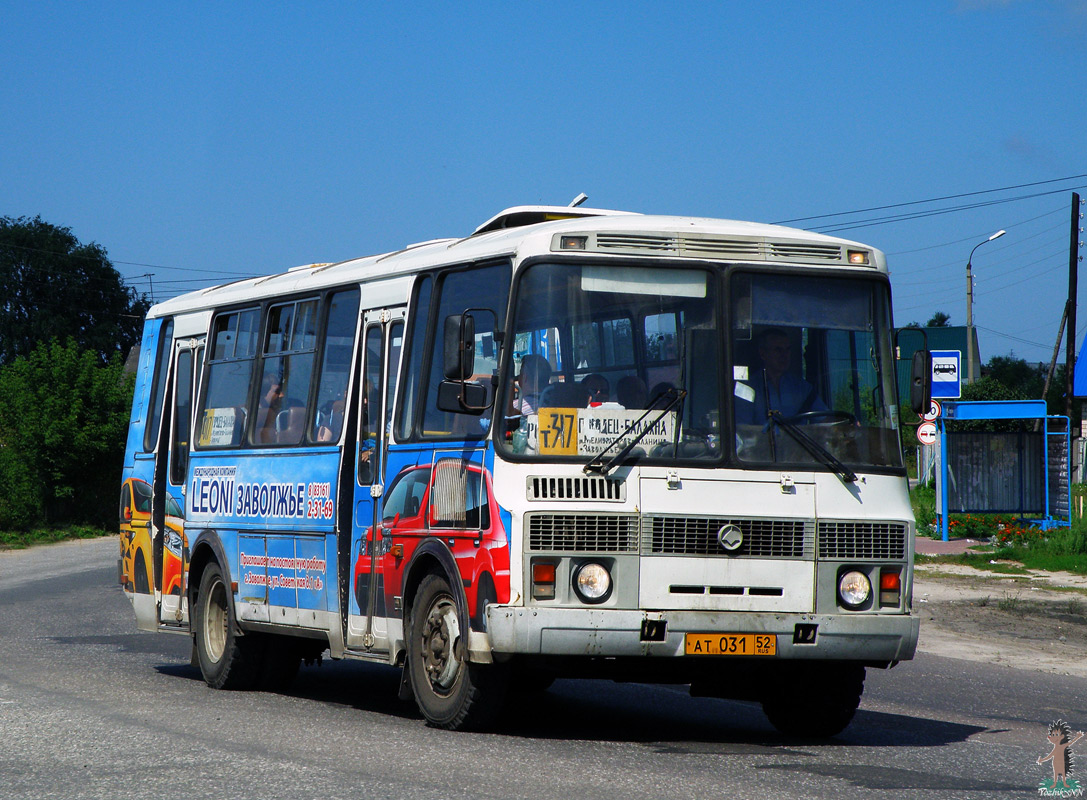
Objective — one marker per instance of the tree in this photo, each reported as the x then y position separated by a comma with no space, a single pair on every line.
53,286
939,320
63,418
1017,374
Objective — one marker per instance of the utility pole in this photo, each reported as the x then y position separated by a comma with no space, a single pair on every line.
1073,280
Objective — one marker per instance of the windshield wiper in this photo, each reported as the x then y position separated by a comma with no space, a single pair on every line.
822,455
604,469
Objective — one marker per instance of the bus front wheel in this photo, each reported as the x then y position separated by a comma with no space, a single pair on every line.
227,661
451,692
815,700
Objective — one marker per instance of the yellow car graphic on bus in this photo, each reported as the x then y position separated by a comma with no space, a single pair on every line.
137,551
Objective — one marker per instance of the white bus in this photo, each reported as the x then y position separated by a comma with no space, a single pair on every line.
575,442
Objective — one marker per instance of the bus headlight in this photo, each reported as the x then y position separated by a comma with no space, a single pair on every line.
854,589
592,582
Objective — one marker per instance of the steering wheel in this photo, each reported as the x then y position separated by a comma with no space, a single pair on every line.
832,416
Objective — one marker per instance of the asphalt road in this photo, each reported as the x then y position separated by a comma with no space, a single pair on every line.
90,708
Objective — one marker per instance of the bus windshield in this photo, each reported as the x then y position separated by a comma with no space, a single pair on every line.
812,354
604,355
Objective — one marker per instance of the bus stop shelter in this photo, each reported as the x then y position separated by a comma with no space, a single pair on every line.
1018,472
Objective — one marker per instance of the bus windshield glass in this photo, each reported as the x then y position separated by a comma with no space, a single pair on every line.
603,355
812,354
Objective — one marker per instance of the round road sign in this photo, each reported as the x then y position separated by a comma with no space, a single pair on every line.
934,411
926,433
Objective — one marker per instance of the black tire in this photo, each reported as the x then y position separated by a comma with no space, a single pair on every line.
450,692
815,701
140,583
227,660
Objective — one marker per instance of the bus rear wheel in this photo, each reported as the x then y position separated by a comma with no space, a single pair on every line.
227,661
815,701
451,692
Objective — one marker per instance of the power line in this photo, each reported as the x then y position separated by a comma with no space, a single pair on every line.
869,223
1063,209
127,263
932,200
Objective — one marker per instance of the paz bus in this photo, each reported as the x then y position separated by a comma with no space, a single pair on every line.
574,443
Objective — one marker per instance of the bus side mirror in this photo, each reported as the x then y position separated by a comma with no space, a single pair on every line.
921,382
459,347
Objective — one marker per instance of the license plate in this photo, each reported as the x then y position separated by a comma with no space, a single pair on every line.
731,644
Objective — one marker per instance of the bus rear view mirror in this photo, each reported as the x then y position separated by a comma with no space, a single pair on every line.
459,348
462,397
921,382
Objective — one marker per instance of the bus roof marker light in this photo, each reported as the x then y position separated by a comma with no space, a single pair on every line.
573,242
858,257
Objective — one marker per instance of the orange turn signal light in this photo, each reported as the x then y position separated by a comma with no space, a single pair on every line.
890,587
543,580
890,581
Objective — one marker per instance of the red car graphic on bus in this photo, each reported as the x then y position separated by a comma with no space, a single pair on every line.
452,502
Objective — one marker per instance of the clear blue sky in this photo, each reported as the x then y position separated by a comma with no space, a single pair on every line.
214,140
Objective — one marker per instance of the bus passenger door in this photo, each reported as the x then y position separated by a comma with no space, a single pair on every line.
173,555
382,336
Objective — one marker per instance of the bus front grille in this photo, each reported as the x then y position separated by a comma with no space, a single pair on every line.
761,538
576,487
868,540
583,533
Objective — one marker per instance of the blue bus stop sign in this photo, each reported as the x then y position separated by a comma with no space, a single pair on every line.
946,373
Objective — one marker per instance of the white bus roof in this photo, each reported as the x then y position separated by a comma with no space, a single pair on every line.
525,231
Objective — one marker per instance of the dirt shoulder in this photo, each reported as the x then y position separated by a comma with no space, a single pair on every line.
1035,621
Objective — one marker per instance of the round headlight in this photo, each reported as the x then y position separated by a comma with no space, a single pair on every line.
854,588
592,582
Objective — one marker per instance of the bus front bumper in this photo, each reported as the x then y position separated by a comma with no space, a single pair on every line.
873,638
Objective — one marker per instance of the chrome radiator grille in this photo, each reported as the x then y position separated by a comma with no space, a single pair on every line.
581,533
762,538
869,540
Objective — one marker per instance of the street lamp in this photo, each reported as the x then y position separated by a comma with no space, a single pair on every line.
970,308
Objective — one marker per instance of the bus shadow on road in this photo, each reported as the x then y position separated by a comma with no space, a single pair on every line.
365,687
665,718
671,720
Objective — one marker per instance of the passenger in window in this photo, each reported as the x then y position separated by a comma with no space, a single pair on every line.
271,400
564,395
776,386
598,388
330,421
660,393
534,378
631,392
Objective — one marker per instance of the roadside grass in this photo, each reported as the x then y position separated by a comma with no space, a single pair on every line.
17,540
1006,539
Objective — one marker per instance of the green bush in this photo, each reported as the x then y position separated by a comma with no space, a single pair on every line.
63,421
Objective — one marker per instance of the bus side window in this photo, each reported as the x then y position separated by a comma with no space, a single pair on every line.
487,290
290,347
158,386
179,447
234,347
327,420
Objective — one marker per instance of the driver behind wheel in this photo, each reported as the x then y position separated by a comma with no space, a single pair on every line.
775,386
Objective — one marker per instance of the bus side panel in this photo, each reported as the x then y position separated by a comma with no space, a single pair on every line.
274,513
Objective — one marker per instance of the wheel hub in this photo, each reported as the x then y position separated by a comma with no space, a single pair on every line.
441,634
